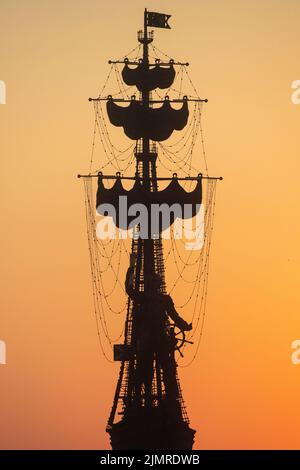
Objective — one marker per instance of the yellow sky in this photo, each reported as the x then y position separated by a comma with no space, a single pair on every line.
56,389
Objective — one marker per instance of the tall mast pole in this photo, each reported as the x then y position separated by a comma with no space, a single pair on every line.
146,162
145,93
145,101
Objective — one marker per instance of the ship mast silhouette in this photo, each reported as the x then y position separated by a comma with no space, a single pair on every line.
148,395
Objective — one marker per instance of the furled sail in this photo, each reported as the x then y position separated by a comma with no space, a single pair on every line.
147,79
153,123
173,199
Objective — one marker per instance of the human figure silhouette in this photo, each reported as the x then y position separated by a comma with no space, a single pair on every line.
152,338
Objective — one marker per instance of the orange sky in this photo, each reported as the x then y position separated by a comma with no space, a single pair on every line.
56,389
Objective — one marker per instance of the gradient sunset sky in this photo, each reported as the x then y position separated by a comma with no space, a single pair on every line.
242,392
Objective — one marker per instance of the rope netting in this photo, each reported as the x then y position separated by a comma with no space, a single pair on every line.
109,258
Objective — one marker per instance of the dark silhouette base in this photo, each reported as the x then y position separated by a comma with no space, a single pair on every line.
151,429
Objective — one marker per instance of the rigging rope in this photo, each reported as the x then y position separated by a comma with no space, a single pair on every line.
201,317
106,256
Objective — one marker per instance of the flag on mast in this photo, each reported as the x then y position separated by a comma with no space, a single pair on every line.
158,20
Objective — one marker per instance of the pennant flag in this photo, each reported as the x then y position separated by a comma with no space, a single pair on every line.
158,20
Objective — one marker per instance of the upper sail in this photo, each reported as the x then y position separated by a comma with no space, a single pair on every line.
147,79
153,123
